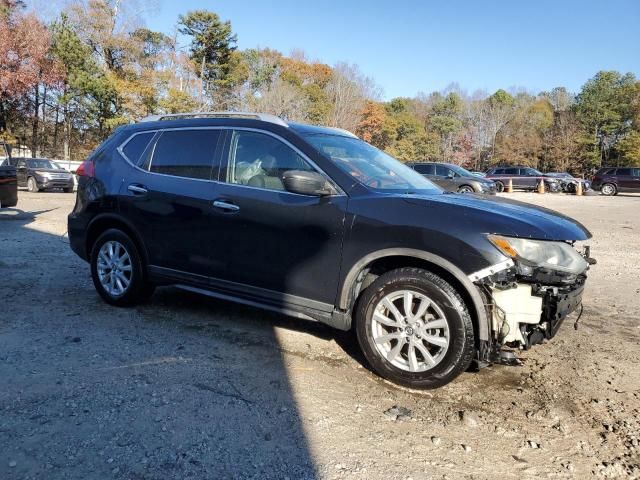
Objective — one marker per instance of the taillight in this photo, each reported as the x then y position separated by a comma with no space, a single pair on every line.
86,169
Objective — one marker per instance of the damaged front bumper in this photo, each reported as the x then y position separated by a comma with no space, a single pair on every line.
526,306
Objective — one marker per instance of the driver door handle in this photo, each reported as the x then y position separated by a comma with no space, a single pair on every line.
224,205
137,189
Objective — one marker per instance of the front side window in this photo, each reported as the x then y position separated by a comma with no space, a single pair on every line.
260,160
532,172
442,171
368,165
185,153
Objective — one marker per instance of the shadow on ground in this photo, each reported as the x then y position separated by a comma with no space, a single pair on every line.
170,389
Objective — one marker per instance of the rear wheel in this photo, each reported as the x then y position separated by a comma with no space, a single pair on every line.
499,187
465,189
414,329
117,270
609,189
32,185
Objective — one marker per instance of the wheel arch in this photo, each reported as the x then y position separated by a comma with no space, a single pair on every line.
106,221
392,258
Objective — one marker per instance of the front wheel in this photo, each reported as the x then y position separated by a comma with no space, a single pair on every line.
414,329
32,185
118,271
499,187
465,189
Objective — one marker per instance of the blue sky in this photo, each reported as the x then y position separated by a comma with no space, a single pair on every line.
411,46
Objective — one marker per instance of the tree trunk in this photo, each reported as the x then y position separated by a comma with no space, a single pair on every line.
35,147
55,131
43,134
67,132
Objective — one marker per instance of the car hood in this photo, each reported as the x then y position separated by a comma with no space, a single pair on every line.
504,216
50,170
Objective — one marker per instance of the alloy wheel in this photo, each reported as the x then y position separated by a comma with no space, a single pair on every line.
410,331
114,268
608,189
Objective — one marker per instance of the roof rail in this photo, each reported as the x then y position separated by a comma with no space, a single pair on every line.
265,117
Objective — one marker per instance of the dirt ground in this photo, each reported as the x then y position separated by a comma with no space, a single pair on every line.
190,387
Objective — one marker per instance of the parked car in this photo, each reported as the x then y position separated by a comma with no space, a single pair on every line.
454,178
318,224
8,178
611,180
524,178
42,174
569,183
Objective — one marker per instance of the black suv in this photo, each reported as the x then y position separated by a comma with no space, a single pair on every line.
525,178
315,223
454,178
611,180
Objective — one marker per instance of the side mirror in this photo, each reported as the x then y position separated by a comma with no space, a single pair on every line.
307,183
451,175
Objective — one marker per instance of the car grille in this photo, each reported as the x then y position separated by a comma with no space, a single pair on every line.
59,176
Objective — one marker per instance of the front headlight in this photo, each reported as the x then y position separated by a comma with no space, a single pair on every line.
541,253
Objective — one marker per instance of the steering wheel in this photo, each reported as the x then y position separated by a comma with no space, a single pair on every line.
375,181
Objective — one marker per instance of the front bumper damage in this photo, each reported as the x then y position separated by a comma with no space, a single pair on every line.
526,306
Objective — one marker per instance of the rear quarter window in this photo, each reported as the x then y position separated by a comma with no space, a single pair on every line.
136,145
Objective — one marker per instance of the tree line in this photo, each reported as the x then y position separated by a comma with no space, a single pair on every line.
66,84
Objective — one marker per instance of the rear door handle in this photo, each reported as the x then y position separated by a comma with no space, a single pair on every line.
137,189
224,205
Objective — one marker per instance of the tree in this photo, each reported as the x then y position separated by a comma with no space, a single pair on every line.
212,43
604,108
25,63
347,91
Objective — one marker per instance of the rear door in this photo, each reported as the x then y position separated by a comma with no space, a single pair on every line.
530,177
624,178
22,172
514,174
445,177
280,246
635,180
169,196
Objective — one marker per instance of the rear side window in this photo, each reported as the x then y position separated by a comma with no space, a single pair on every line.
186,153
623,171
512,171
136,145
425,169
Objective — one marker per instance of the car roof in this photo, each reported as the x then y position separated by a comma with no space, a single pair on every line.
229,119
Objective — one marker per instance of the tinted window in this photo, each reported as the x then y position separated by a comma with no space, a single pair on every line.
497,171
623,171
636,172
442,171
512,171
185,153
136,145
260,160
531,171
425,169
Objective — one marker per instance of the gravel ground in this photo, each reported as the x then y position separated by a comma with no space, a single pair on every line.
190,387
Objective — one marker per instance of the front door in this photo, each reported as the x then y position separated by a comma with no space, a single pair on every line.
277,245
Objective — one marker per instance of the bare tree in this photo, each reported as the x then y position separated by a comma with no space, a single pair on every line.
348,90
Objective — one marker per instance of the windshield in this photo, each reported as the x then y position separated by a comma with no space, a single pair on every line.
370,166
41,163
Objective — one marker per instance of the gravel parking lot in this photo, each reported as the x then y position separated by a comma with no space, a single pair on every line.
190,387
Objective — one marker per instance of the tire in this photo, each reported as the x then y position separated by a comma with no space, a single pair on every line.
32,185
138,287
466,189
499,187
609,189
445,308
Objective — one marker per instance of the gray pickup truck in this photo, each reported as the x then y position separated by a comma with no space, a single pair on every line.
8,178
